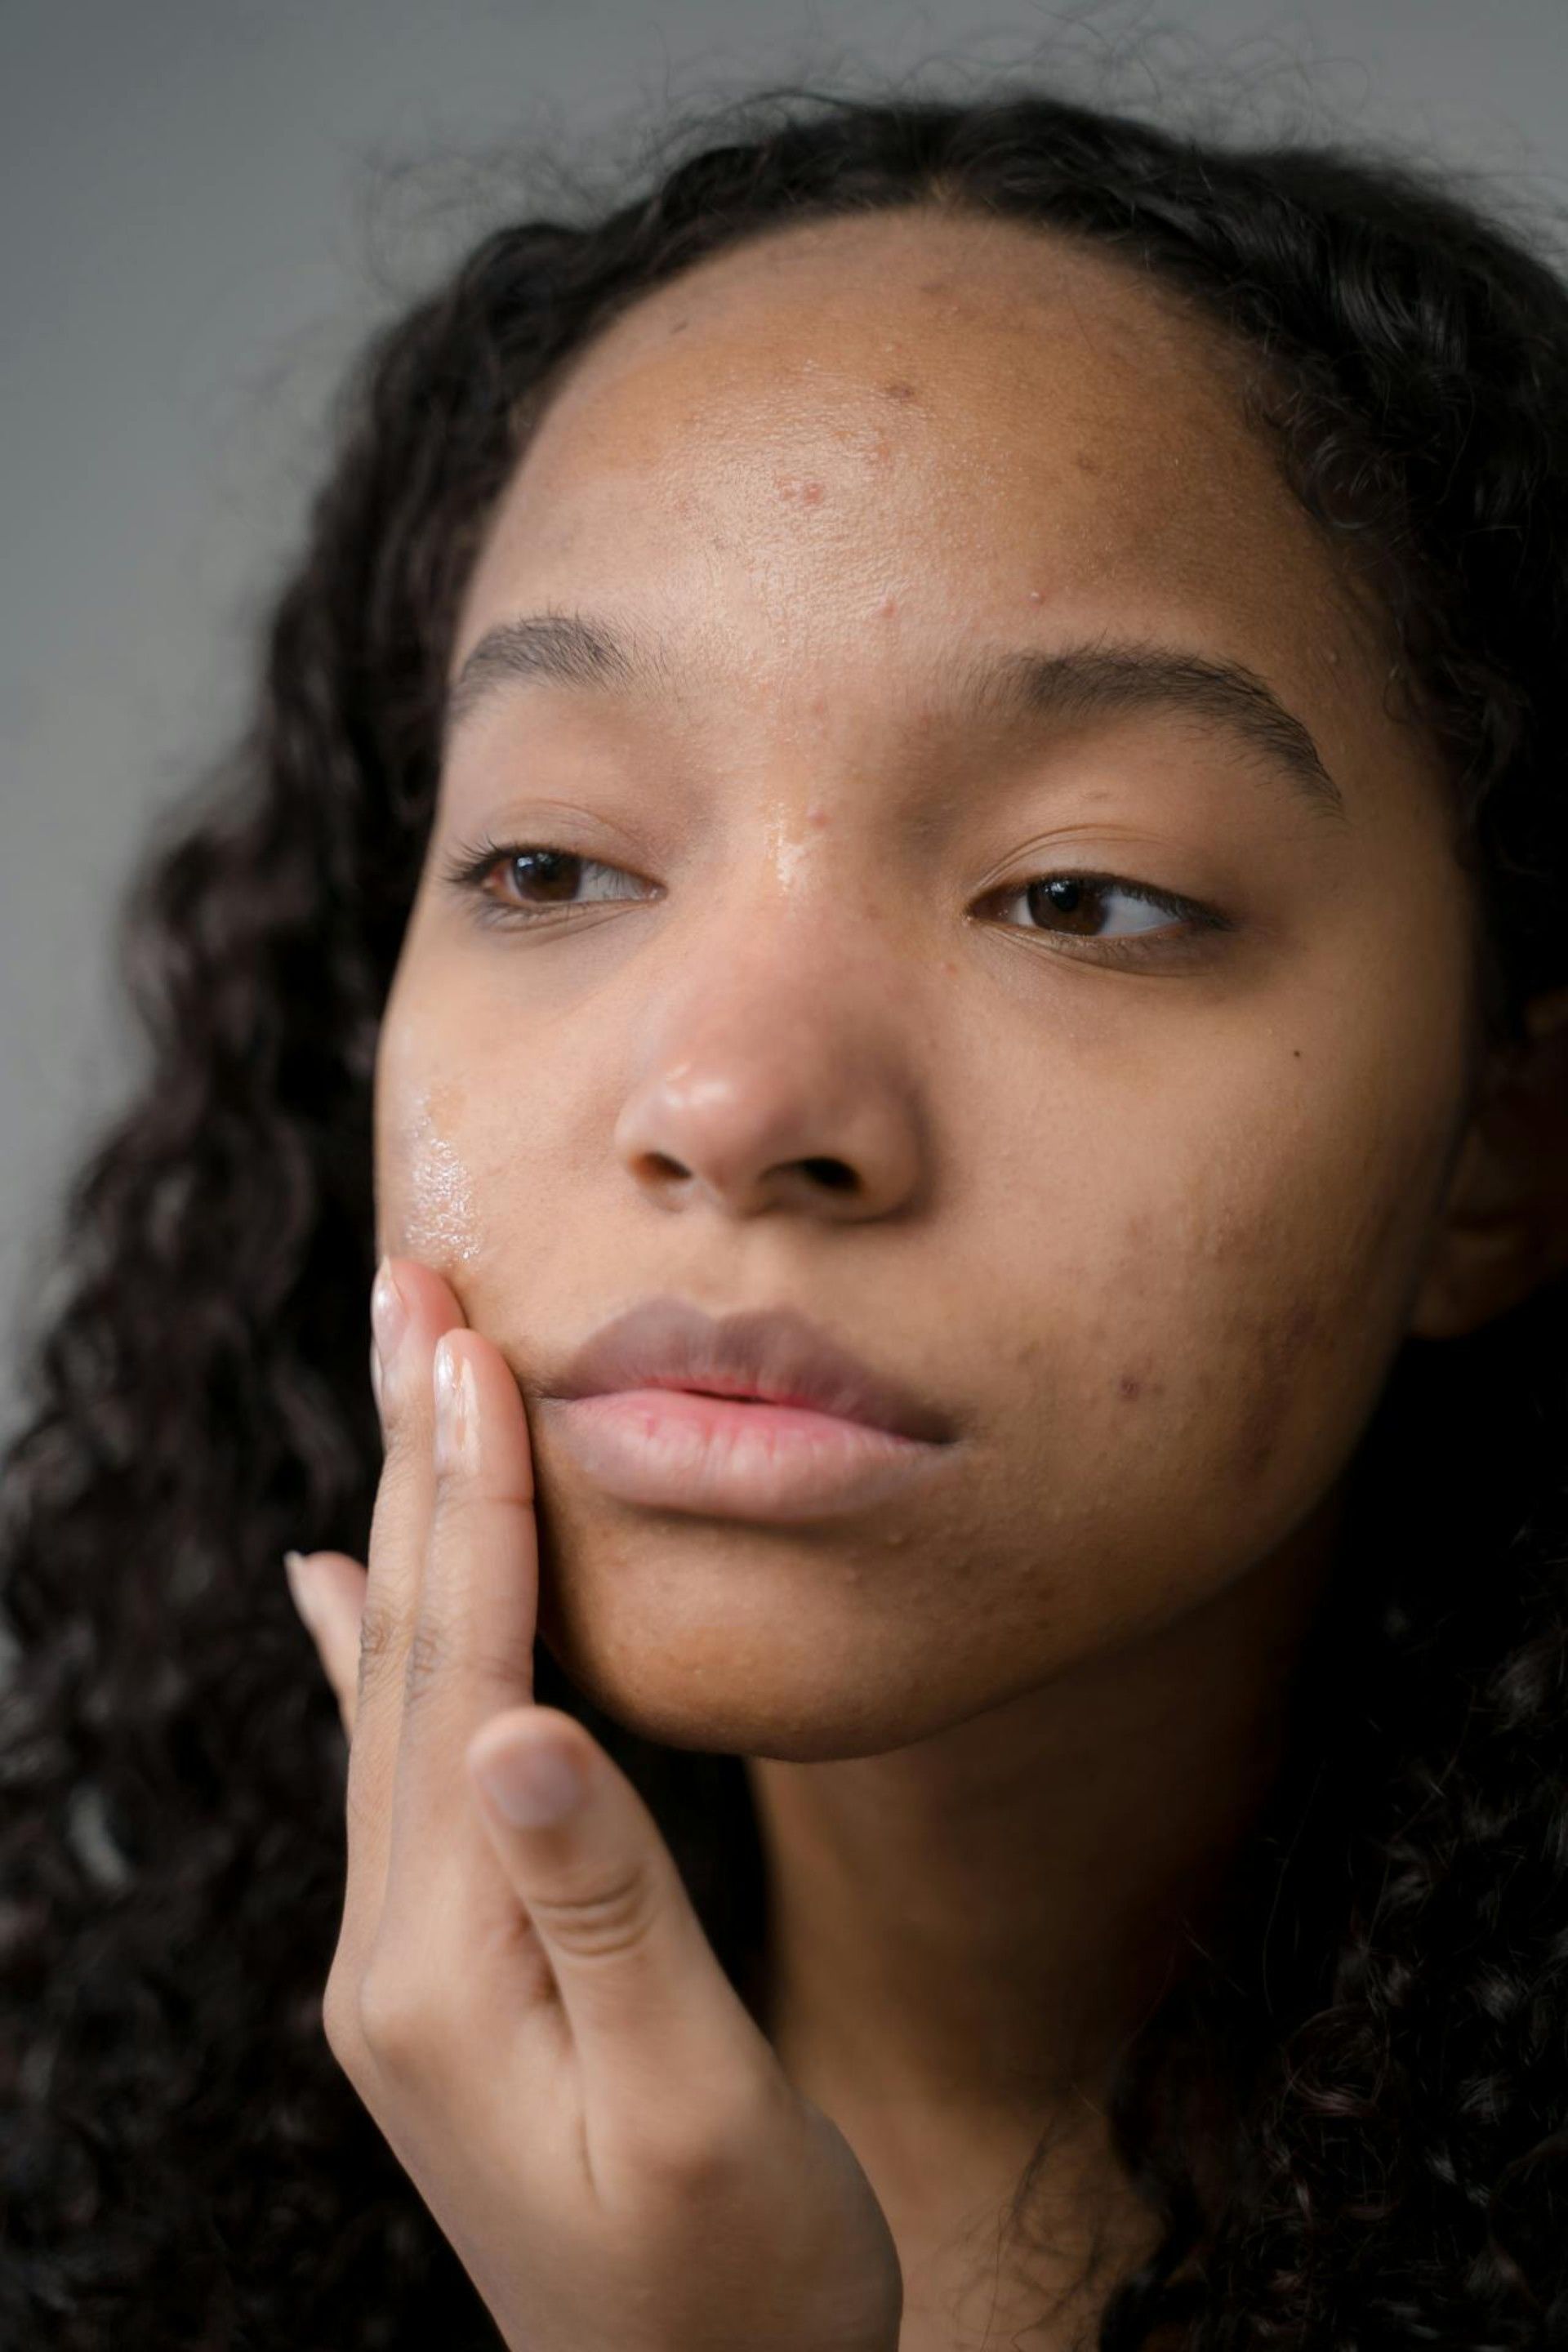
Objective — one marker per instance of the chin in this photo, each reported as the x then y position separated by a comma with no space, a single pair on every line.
756,1641
735,1694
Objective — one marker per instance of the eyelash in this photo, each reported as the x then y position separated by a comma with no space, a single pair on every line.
470,867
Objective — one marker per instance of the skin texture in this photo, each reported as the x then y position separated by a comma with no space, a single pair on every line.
1151,1232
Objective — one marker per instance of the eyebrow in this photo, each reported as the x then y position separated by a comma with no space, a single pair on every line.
1101,677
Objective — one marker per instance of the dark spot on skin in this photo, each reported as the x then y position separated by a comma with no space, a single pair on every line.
1129,1388
899,389
1085,464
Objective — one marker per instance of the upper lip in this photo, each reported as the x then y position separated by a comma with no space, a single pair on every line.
772,1354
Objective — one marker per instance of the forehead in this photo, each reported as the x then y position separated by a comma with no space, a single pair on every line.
970,418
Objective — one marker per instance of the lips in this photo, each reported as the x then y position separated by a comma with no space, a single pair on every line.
774,1355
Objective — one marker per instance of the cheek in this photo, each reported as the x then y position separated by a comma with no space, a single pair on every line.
1258,1310
427,1198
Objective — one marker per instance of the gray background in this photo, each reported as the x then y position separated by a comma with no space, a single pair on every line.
203,207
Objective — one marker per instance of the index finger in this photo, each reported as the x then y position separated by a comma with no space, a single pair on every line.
470,1657
471,1653
396,1551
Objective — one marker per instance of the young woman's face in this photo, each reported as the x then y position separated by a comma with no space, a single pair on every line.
1139,1206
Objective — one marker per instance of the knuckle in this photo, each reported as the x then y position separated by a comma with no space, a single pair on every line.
393,2020
402,1432
447,1645
455,1497
427,1658
603,1920
381,1636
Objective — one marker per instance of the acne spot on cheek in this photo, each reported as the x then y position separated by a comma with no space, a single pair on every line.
1139,1380
899,389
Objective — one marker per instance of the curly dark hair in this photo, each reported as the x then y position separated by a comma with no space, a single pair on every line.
1352,2117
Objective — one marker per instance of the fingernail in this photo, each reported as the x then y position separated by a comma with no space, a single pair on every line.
531,1785
389,1320
296,1568
457,1414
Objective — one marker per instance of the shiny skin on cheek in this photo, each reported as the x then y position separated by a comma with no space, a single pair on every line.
437,1219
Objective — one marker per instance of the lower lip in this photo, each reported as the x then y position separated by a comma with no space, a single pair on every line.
675,1450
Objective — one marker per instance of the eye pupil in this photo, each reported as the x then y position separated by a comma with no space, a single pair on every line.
527,864
1060,892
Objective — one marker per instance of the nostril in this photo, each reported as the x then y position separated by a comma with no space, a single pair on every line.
831,1173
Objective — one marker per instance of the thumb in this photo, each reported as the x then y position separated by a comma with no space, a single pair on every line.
639,1979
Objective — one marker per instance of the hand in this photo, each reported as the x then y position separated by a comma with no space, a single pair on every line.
532,2014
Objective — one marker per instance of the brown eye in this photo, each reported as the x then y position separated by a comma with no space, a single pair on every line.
535,879
1077,902
1073,906
555,873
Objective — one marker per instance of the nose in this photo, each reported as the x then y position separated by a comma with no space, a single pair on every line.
779,1074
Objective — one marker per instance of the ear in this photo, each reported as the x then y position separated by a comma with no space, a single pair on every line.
1504,1228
